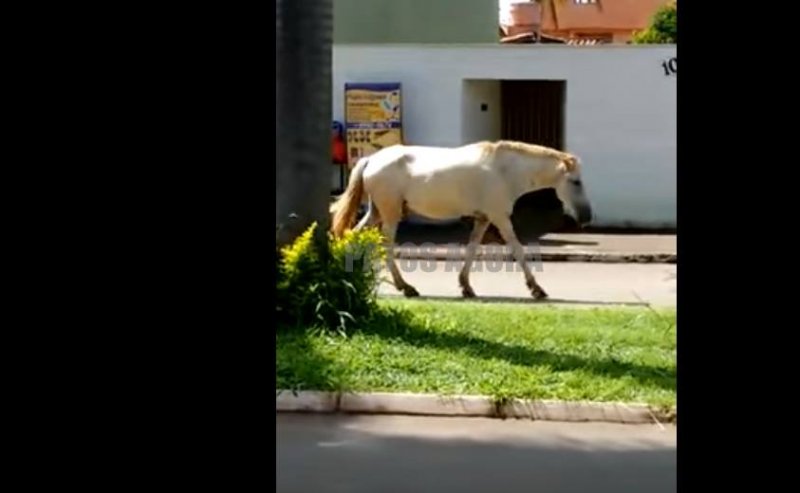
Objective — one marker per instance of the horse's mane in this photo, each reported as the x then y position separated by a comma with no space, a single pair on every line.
532,149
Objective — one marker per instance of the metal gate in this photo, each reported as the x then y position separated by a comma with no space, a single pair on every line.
533,111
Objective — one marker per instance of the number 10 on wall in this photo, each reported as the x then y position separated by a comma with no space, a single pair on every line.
670,66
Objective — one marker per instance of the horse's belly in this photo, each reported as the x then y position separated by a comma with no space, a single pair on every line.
438,206
444,192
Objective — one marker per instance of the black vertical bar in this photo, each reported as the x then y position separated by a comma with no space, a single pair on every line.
303,52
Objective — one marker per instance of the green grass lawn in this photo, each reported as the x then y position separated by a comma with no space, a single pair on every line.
501,350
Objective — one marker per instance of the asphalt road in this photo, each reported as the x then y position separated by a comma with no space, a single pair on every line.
565,282
403,454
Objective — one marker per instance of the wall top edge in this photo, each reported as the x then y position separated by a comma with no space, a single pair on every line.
508,46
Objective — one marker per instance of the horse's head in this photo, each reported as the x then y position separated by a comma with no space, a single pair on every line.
570,190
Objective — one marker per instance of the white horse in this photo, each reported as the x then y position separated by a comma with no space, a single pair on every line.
480,180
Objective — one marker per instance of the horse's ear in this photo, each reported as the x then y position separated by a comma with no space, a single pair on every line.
567,165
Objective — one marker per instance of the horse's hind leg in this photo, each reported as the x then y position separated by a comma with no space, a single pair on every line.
478,230
389,229
371,218
506,229
390,216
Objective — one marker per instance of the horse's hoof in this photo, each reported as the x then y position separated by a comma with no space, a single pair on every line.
467,292
538,293
410,292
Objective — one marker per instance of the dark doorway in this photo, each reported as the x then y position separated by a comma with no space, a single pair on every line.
533,111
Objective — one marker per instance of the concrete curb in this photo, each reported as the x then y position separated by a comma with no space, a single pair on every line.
572,256
307,401
468,406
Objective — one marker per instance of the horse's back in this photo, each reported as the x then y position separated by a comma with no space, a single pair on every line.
425,160
437,182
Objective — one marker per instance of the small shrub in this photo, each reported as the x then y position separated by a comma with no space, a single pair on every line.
333,289
663,27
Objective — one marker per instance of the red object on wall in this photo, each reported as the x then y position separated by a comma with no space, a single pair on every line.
339,150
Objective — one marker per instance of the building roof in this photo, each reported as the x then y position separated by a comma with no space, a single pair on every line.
606,14
530,38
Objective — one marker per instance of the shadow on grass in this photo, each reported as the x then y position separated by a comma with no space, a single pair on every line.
299,366
399,324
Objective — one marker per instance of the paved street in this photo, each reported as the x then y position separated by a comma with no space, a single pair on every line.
404,454
565,282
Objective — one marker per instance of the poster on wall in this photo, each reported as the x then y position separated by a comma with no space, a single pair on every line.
372,118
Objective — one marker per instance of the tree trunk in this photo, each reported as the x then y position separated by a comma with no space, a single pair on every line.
303,53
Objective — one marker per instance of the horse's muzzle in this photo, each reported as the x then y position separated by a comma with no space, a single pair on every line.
583,215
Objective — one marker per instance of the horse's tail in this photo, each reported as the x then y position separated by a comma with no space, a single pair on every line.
344,210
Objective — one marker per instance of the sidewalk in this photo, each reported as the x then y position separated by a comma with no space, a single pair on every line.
552,247
566,283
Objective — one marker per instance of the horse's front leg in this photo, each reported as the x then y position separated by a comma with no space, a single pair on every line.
506,229
478,230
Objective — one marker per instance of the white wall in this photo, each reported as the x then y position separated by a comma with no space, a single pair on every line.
477,124
620,110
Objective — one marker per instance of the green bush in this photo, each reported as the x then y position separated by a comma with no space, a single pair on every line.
663,28
332,289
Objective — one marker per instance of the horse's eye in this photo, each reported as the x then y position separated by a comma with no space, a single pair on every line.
577,183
